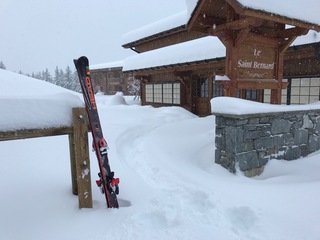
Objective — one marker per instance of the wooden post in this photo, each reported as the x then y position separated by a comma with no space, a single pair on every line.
73,164
81,162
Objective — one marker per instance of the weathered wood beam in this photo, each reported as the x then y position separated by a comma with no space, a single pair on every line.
81,165
210,22
285,44
237,25
241,36
34,133
260,84
287,33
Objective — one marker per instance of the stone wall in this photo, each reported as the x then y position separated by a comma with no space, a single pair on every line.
248,142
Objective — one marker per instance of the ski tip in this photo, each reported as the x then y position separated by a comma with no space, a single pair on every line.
81,61
82,58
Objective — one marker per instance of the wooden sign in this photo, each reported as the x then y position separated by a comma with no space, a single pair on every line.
256,62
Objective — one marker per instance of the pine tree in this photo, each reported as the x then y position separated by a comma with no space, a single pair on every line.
2,66
67,78
76,85
58,77
46,76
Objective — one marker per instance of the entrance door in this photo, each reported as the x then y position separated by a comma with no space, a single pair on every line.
203,96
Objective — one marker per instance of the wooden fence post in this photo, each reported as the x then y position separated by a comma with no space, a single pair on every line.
73,164
79,155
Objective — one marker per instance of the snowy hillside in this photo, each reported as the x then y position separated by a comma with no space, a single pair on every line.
170,187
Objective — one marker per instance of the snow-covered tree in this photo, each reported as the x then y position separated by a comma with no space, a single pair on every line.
134,88
46,76
2,66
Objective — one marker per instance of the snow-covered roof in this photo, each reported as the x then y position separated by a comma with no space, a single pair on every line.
202,49
196,50
311,37
107,65
297,9
163,25
307,11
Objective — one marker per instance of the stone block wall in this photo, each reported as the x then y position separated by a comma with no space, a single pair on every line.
248,142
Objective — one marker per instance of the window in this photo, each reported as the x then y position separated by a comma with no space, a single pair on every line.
300,91
267,95
176,93
203,87
149,93
305,90
251,94
217,88
157,93
168,93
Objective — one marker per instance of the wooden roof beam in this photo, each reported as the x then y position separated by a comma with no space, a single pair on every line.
289,32
237,25
206,21
285,44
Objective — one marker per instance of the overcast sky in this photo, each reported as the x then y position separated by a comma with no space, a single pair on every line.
40,34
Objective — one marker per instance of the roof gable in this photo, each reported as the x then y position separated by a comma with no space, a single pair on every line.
203,15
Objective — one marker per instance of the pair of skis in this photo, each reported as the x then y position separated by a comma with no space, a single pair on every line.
109,185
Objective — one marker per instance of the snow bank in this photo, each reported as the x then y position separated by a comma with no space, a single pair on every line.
28,103
111,100
170,186
236,106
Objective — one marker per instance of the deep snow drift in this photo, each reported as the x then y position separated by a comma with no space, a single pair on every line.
170,187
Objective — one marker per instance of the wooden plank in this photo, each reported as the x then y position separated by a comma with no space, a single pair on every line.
82,161
260,84
73,164
34,133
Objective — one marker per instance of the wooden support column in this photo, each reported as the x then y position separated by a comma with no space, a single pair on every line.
79,155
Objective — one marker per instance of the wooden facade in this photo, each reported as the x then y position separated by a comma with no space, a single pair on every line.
198,84
110,80
257,57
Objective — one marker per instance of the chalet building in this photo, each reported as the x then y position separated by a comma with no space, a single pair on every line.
227,48
109,78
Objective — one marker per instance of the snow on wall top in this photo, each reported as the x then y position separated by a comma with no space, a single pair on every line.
307,11
196,50
28,103
237,106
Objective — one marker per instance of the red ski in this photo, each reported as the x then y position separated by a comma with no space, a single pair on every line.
109,185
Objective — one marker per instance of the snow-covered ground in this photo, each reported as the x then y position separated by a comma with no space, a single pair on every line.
170,186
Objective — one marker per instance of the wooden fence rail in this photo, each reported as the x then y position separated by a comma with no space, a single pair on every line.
79,152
